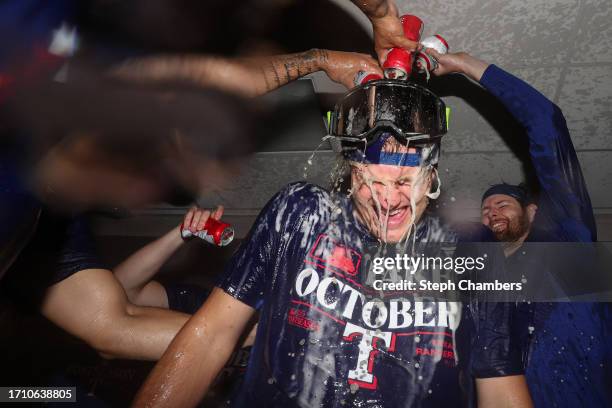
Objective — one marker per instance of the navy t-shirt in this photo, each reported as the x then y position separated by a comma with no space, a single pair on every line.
323,338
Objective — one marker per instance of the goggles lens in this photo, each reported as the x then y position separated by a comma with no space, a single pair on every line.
409,110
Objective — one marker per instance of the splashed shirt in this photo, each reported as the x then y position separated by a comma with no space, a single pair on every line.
323,339
565,346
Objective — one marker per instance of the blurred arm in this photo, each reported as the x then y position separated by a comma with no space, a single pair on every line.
250,77
183,375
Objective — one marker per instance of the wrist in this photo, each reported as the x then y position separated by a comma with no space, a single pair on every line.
473,67
319,59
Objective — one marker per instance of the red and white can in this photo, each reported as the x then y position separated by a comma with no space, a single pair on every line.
363,76
437,42
398,64
413,27
215,232
426,62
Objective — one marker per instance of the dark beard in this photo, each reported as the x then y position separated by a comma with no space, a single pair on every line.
516,229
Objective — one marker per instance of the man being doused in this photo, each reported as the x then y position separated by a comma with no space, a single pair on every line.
323,340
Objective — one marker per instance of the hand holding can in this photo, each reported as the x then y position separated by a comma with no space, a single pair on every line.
398,64
425,62
206,226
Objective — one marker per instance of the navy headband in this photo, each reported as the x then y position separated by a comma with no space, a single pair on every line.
519,192
374,154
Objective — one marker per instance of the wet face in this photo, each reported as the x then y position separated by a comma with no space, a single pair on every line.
382,196
505,216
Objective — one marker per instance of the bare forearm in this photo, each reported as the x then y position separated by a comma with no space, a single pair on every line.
280,70
181,378
249,77
473,67
196,355
137,270
144,333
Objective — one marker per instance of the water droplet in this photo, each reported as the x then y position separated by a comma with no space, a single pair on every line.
354,388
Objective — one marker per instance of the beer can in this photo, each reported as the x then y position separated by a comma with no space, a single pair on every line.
413,27
437,42
398,64
363,76
426,62
215,232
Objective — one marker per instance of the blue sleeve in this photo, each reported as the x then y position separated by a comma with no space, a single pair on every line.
564,205
244,277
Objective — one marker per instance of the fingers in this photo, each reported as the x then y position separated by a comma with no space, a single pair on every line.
382,55
433,53
218,213
374,67
202,217
195,219
189,217
407,44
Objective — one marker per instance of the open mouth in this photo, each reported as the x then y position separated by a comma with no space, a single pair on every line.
397,216
499,226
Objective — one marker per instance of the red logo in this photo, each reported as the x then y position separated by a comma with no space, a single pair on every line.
342,258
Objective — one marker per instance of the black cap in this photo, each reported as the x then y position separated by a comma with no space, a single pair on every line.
519,192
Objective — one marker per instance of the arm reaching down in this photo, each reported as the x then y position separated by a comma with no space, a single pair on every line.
199,351
247,76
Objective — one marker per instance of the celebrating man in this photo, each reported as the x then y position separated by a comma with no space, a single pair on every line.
324,338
